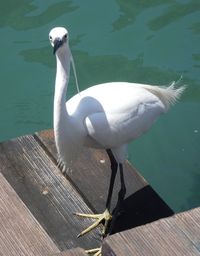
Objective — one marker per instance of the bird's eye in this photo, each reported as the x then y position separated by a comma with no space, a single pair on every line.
65,36
50,38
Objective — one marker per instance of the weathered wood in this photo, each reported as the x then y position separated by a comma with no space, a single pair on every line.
189,223
29,164
20,232
72,252
46,192
177,236
91,174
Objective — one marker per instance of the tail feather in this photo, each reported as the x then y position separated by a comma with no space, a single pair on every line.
167,94
173,93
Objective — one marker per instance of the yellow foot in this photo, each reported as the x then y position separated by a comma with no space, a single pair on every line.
99,218
94,252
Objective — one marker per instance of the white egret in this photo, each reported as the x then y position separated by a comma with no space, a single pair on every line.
106,116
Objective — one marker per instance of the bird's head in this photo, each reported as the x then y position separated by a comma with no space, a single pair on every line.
58,38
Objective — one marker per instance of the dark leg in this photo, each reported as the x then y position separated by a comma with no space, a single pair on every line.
105,216
122,191
114,166
121,196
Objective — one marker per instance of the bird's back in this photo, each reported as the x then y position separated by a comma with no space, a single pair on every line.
110,97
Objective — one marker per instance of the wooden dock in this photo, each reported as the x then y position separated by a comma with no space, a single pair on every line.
178,235
37,204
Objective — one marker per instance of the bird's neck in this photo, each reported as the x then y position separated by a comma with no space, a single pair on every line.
61,83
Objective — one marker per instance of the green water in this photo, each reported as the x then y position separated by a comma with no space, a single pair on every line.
141,41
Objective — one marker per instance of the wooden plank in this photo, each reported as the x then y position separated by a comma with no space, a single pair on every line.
189,222
91,175
46,192
92,169
20,233
72,252
166,237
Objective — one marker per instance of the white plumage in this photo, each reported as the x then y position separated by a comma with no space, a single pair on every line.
111,115
105,116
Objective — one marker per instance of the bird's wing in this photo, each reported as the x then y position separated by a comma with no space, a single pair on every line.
112,129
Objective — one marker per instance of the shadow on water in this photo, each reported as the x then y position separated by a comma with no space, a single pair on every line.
196,27
17,13
130,9
105,69
44,55
172,12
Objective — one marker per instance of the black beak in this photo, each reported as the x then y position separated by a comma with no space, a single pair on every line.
57,43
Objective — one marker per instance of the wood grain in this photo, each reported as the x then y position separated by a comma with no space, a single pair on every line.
91,174
29,165
72,252
177,236
46,192
20,233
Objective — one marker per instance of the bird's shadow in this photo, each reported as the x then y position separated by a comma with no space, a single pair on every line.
140,208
